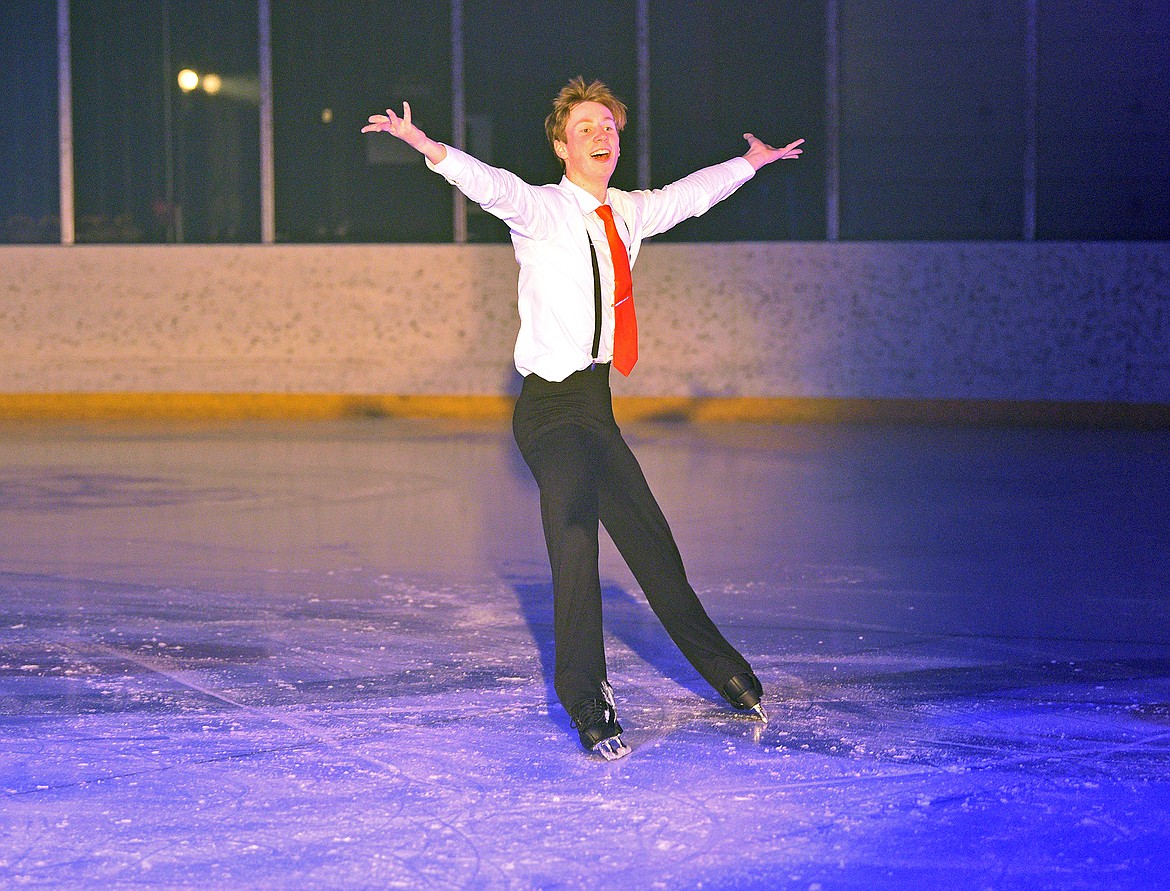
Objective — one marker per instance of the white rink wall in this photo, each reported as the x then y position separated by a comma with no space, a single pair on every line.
971,320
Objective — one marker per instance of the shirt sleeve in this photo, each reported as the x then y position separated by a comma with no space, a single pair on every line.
524,207
691,196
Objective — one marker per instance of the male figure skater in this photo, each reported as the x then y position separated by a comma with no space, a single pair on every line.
575,242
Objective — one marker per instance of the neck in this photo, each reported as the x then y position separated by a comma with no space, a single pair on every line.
595,187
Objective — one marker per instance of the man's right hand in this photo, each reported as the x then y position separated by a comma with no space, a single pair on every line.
407,132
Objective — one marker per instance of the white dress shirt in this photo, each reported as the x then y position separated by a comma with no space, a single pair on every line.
551,226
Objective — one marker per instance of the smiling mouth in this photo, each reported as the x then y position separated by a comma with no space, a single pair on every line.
600,154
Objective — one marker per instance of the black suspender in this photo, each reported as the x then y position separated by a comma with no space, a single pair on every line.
596,299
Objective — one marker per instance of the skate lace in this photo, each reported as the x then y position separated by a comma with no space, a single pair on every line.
592,712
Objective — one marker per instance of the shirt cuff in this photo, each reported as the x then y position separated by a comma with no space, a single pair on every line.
450,165
747,165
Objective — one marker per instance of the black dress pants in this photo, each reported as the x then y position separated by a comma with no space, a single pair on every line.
586,473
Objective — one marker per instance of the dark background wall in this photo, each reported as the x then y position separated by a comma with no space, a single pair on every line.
933,100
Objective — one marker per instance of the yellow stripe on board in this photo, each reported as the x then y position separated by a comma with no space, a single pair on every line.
963,412
325,406
240,406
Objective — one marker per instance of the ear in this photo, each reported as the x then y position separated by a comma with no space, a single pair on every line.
561,149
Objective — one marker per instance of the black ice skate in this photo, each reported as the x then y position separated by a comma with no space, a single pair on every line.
744,692
597,725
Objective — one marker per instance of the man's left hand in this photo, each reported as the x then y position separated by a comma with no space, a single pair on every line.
760,153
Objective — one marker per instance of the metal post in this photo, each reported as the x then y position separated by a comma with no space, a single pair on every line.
267,174
1031,77
643,32
168,75
65,122
458,117
832,122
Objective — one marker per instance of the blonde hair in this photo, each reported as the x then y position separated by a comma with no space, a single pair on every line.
574,93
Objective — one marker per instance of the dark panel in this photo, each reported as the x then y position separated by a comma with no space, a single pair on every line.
932,120
518,55
719,69
335,64
28,107
1104,122
122,142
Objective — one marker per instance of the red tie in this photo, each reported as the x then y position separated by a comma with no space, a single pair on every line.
625,324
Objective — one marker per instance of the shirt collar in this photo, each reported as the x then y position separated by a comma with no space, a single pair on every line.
587,202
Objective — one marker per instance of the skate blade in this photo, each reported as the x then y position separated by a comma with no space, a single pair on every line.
613,748
758,710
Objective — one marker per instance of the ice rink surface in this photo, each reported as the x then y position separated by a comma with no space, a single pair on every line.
317,655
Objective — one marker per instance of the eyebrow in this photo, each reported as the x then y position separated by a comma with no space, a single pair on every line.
603,120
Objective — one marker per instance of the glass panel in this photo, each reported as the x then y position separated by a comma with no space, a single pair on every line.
335,64
720,69
932,120
1104,122
932,111
518,55
143,174
29,200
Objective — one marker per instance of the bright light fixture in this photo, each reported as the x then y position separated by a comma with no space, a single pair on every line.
188,80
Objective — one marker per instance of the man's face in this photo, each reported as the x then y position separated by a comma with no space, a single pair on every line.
590,149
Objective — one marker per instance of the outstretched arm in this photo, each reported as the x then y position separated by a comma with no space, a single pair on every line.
760,153
407,132
523,207
696,194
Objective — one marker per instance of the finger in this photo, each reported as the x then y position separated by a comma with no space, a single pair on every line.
406,114
793,145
